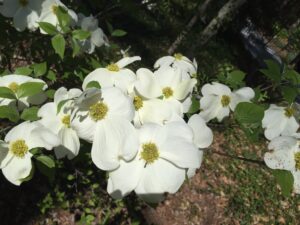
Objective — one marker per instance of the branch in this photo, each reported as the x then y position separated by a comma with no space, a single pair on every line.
201,9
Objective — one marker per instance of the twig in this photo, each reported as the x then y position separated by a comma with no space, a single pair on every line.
258,162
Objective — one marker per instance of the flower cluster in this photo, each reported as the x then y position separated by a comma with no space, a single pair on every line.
135,122
281,129
29,13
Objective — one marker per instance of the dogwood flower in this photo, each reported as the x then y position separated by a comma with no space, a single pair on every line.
166,83
97,38
180,62
107,123
49,11
15,156
25,13
13,82
279,121
285,155
165,152
60,122
113,75
218,100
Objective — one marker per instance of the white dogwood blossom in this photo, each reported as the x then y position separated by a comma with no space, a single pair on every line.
165,152
279,121
13,82
165,83
49,11
285,155
15,156
218,100
107,123
180,62
115,74
25,13
60,122
97,38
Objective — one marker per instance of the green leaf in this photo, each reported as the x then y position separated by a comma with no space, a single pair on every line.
109,27
272,72
249,116
61,104
48,28
50,93
46,160
35,151
93,84
118,33
235,78
246,112
23,71
64,19
81,34
46,166
29,89
51,75
195,105
286,181
5,92
8,112
30,114
75,46
40,69
59,45
293,76
289,93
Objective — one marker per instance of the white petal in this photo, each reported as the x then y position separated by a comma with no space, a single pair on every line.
20,18
168,77
70,144
118,103
146,85
21,131
9,8
84,126
103,76
215,89
184,88
244,94
178,147
203,135
114,139
154,133
42,137
18,169
164,61
124,79
127,60
296,175
5,155
119,183
49,117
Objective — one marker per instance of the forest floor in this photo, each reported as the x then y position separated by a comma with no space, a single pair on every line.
225,190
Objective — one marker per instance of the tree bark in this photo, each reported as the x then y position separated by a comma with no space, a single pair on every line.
200,11
226,14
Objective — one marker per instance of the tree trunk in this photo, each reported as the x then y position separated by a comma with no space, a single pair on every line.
201,9
226,14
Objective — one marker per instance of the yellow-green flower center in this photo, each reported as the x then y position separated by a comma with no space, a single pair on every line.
137,102
150,152
297,160
98,111
54,9
178,56
225,100
13,86
23,2
113,67
167,92
66,120
289,112
19,148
